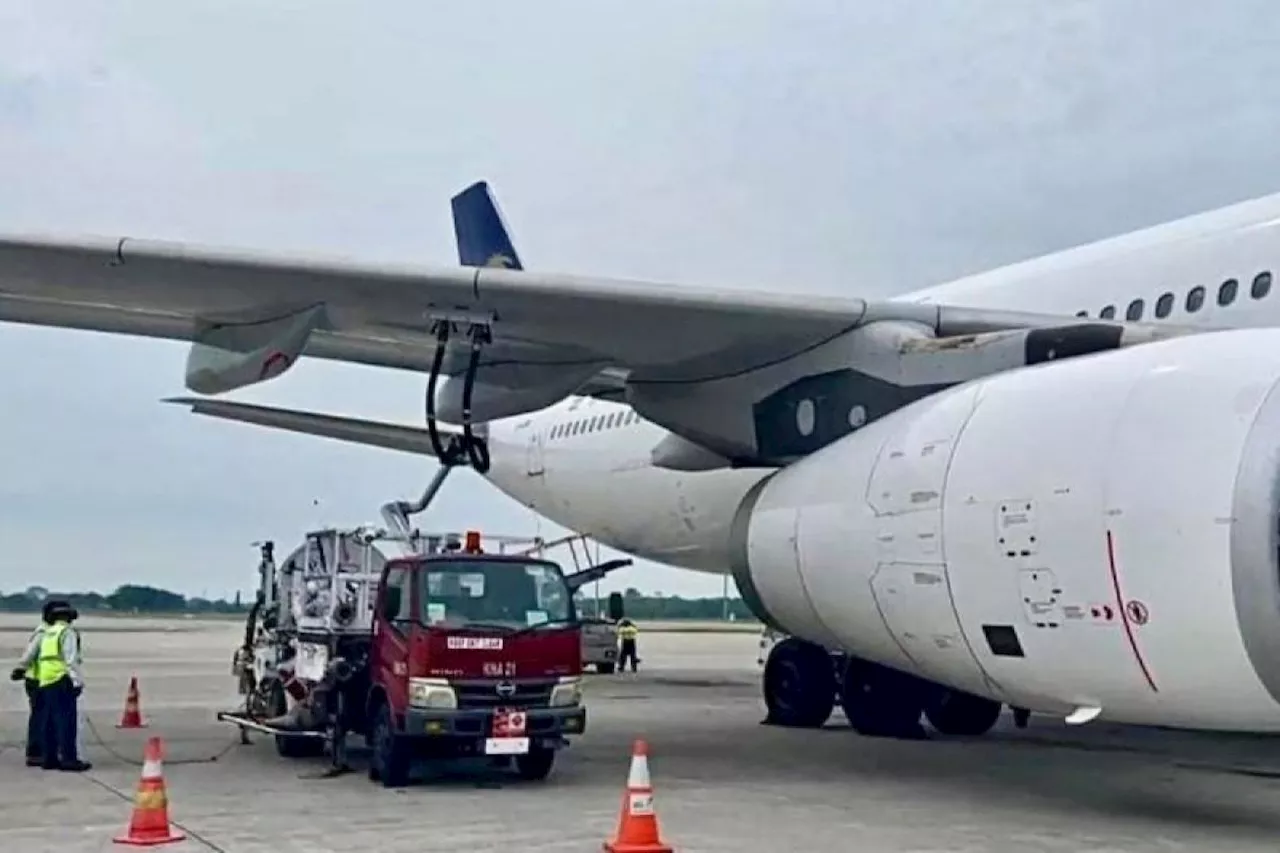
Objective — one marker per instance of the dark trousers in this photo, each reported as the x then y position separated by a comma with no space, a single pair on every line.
59,706
35,734
628,652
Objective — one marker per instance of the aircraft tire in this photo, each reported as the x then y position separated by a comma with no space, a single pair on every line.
799,685
955,712
882,702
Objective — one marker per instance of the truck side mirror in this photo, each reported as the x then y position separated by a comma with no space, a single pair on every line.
615,606
391,603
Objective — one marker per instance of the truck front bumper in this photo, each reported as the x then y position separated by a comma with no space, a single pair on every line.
541,724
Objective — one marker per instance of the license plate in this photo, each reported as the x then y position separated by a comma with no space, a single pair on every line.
506,746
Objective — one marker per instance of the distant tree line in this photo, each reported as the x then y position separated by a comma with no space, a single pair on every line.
135,598
658,606
130,598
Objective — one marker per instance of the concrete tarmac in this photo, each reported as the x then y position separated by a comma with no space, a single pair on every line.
723,782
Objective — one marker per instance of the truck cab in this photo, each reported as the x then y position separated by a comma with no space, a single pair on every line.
473,654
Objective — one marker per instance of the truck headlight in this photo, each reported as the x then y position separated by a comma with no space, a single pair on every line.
432,693
567,693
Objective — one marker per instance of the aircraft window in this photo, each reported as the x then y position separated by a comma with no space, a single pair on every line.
577,427
1135,310
1227,292
1195,299
1108,312
1261,285
1082,313
555,430
1164,305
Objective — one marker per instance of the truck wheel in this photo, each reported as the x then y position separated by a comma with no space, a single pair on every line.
605,668
389,763
291,747
535,765
299,747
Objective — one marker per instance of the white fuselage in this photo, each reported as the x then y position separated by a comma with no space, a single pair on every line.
585,463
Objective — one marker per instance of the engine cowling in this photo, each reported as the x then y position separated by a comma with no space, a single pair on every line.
1099,532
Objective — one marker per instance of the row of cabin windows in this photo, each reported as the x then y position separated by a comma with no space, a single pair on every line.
610,421
1227,292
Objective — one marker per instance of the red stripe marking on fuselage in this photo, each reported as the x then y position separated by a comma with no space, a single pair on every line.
1124,618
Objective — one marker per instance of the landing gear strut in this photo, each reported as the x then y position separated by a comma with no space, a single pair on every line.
470,446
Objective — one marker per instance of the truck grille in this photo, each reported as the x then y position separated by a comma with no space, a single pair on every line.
485,694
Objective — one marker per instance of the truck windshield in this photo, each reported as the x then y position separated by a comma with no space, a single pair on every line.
502,593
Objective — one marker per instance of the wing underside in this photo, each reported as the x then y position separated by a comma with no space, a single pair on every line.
409,439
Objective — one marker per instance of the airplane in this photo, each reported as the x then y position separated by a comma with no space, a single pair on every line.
1053,486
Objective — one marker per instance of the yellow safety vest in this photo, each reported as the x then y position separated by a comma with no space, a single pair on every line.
50,664
628,632
32,671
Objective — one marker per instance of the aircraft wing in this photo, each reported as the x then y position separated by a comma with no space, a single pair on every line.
355,430
719,367
236,303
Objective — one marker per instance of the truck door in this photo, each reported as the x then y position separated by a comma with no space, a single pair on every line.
394,622
533,454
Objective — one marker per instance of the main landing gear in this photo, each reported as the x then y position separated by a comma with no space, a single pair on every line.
803,682
467,445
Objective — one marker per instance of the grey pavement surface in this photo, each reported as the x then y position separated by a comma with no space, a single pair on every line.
723,782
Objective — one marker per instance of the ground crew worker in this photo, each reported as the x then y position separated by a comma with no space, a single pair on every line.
28,675
627,633
57,658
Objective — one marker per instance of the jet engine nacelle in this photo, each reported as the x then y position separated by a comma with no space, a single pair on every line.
1096,533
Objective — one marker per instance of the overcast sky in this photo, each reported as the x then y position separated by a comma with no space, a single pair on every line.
830,146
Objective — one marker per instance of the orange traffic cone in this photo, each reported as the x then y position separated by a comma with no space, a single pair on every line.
132,716
149,824
638,821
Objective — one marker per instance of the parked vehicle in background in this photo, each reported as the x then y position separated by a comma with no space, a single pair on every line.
599,645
